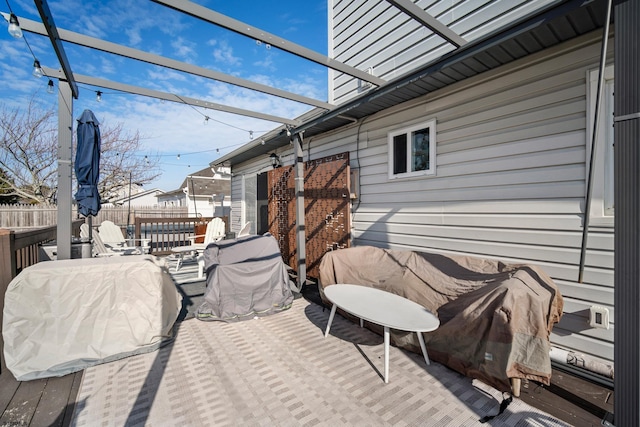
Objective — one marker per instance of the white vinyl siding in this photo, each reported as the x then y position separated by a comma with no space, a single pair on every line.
510,184
378,36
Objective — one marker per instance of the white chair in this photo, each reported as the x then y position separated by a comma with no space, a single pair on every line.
111,236
99,249
245,230
216,230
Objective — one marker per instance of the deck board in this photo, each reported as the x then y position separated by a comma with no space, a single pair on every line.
56,397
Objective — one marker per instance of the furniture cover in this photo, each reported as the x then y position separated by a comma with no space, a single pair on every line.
495,318
246,277
64,316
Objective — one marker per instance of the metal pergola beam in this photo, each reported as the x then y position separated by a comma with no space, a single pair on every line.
127,52
136,90
417,13
239,27
52,33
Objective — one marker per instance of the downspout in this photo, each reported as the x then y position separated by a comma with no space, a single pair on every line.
596,120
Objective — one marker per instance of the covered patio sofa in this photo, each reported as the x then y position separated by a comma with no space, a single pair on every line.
495,318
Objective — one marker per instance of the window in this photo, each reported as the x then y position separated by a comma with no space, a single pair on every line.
412,151
602,191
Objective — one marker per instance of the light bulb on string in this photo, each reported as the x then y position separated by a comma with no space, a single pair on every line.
37,69
206,119
98,96
178,156
50,86
250,134
14,26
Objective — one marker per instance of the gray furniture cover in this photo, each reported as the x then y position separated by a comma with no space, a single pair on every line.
246,277
64,316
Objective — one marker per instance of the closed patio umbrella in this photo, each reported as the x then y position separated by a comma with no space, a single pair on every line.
87,165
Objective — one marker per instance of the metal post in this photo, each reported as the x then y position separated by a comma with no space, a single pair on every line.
300,225
594,134
65,140
627,213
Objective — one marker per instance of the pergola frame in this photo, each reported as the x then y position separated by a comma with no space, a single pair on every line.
627,167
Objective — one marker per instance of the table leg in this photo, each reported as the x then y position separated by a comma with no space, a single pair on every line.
423,347
386,354
333,312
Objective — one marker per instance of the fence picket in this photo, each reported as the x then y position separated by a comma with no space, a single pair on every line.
24,217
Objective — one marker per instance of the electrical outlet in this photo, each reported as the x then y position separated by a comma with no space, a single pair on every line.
599,317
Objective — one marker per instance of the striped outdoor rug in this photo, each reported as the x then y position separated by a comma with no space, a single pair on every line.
281,371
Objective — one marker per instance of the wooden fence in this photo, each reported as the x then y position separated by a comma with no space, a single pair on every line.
25,217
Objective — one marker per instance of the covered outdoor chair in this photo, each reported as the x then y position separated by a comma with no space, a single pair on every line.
111,236
246,277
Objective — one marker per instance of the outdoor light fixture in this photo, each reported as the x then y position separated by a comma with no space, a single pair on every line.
50,86
250,134
37,69
99,96
14,26
275,160
178,156
206,119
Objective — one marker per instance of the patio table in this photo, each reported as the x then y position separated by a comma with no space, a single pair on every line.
385,309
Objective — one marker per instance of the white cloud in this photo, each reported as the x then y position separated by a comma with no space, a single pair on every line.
223,53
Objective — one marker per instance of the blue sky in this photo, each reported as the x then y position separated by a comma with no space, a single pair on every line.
167,128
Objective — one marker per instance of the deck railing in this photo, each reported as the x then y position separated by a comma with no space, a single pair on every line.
19,250
166,233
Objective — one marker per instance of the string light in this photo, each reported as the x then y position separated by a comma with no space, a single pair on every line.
37,69
14,26
178,156
50,86
99,96
206,119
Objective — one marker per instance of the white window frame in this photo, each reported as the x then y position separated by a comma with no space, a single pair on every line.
408,131
602,209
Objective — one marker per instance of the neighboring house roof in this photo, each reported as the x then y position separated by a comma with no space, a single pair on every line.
558,22
221,185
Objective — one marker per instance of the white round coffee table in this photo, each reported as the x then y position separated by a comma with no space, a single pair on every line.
385,309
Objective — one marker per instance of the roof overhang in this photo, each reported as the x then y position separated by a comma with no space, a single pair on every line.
558,22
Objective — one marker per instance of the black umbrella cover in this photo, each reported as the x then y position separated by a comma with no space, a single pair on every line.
87,165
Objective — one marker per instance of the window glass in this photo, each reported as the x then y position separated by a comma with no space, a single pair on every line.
420,150
412,151
400,154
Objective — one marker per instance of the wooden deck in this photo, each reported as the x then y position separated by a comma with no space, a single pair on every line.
50,402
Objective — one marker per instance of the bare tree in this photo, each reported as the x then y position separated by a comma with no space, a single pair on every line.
29,151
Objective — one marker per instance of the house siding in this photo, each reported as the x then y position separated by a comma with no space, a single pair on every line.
510,180
379,36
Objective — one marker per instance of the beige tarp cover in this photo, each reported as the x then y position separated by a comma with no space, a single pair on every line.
63,316
495,318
